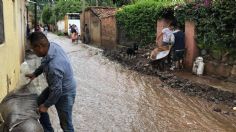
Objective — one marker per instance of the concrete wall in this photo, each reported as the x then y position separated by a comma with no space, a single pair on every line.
20,11
109,32
61,26
11,51
76,22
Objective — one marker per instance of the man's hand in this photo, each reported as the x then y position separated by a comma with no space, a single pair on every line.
42,108
30,76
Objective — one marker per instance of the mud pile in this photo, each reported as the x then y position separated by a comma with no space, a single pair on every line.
141,64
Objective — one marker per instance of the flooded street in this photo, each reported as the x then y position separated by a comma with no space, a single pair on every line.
112,98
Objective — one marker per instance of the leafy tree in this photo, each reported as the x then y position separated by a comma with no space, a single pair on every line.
47,15
70,6
120,3
99,2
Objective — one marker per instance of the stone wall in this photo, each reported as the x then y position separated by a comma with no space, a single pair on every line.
221,70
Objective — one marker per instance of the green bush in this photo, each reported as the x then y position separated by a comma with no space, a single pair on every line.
59,33
139,20
215,26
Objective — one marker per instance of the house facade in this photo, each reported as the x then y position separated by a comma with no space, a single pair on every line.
101,24
12,43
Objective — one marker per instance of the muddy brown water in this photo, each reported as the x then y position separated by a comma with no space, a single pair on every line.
113,98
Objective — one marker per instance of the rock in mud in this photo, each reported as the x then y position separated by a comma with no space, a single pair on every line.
217,109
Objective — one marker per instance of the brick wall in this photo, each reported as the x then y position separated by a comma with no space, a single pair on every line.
190,44
160,25
109,32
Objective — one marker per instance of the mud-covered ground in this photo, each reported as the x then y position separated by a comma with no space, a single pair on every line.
141,64
112,98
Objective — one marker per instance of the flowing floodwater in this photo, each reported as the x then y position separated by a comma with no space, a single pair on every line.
112,98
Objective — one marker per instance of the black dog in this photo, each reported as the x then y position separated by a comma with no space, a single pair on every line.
132,51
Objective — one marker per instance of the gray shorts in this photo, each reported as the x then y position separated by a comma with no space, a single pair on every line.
178,55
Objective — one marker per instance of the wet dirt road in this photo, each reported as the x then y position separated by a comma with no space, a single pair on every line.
112,98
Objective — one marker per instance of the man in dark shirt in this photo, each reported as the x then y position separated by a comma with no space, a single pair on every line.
179,48
61,88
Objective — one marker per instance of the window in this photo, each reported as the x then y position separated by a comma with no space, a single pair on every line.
2,36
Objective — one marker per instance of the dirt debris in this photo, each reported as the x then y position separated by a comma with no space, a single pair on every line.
141,64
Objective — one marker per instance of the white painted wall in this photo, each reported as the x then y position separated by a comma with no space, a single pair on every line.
61,25
76,22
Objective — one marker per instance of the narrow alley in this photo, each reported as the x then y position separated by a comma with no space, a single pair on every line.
113,98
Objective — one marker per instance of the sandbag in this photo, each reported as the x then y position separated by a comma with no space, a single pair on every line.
19,112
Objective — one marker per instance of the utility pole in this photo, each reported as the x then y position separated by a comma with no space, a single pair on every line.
27,15
53,4
35,16
83,24
96,2
35,13
83,11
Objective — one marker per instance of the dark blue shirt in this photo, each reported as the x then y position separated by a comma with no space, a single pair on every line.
179,43
58,72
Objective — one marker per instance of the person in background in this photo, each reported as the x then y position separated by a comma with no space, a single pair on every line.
86,35
166,35
27,30
45,30
61,90
38,29
76,28
74,34
70,28
41,28
178,48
